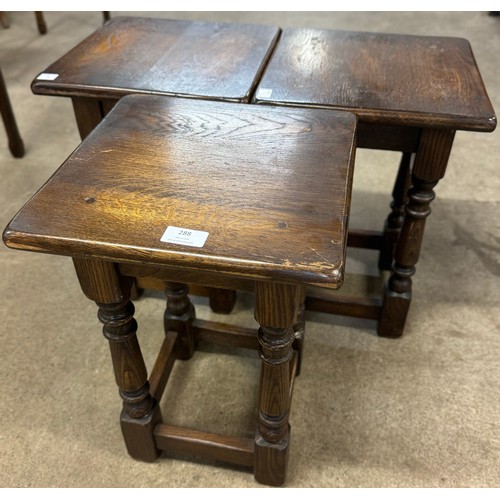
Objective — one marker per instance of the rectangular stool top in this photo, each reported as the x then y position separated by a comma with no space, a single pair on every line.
256,191
162,56
418,81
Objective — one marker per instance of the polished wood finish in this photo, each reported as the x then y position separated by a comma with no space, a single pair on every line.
410,93
236,450
170,57
276,307
102,283
212,153
404,80
272,189
16,144
161,56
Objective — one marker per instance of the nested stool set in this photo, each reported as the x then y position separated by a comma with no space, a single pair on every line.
410,93
229,179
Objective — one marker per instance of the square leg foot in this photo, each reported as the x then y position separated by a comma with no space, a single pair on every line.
271,460
393,315
139,435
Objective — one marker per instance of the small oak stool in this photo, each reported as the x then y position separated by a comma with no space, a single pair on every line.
241,196
216,61
410,93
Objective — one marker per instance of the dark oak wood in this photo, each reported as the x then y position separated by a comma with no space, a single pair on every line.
217,61
410,93
214,155
223,334
236,450
276,308
88,114
16,144
102,283
40,23
395,219
161,56
390,79
354,306
364,238
179,316
163,366
271,188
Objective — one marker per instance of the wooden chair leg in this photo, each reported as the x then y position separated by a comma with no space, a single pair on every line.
16,144
40,22
4,20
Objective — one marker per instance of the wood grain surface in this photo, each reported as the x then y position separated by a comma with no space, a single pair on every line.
271,186
162,56
418,81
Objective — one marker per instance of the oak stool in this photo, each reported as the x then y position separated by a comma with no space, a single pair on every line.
410,93
216,61
194,192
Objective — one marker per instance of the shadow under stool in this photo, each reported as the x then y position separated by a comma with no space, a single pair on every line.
411,94
215,61
198,192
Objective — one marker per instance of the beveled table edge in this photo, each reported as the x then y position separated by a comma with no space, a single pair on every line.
398,118
258,271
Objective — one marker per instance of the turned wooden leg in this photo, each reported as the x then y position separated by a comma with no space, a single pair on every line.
101,282
40,22
179,317
398,290
395,219
299,329
221,301
16,145
429,166
276,308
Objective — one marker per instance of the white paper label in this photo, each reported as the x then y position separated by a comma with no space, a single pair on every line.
47,76
265,93
184,236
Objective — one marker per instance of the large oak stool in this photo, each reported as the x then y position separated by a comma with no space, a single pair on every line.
410,93
195,192
204,60
216,61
